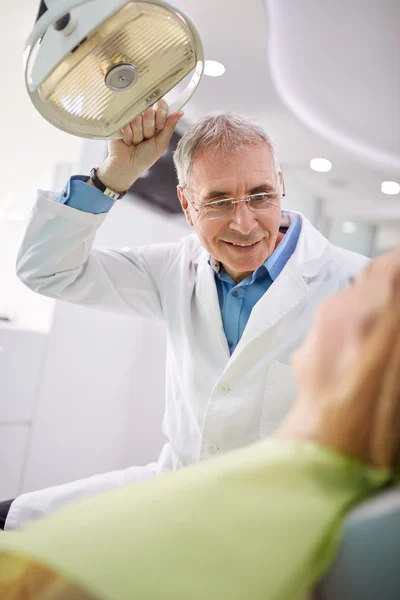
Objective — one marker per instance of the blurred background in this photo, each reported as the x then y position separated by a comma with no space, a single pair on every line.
81,391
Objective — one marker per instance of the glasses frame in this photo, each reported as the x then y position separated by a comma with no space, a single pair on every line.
234,202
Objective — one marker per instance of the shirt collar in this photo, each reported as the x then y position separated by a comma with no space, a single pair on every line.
278,259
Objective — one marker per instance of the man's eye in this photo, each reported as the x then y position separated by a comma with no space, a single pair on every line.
220,203
266,197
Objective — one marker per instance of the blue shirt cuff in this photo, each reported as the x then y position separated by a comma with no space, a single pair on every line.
77,194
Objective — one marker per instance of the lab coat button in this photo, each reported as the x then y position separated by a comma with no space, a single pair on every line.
224,388
213,448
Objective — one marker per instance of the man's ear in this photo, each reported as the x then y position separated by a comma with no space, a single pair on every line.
185,204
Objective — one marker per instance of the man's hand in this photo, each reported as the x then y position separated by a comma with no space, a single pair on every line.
144,140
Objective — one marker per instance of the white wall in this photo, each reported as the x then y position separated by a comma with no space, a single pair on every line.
358,237
299,198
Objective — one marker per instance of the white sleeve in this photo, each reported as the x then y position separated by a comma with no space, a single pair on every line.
56,259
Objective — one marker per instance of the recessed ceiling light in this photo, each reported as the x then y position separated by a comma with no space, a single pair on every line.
390,187
322,165
349,227
213,68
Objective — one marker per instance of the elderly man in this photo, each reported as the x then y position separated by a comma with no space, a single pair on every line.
237,298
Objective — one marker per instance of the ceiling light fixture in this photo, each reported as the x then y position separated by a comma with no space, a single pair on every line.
213,68
322,165
390,187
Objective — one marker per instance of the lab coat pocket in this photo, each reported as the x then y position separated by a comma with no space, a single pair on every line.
279,397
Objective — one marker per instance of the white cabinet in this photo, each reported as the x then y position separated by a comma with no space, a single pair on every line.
13,441
21,363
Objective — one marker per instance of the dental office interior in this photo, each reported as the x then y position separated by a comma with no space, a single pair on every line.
82,391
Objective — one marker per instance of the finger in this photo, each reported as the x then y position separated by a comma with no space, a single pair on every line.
165,135
137,130
177,115
127,134
149,123
161,110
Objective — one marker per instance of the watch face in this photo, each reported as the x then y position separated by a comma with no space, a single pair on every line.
113,195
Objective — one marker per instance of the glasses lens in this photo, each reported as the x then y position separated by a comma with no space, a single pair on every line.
217,209
262,201
225,207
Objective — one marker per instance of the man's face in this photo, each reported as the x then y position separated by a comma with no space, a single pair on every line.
248,170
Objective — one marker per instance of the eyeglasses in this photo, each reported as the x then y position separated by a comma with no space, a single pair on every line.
222,207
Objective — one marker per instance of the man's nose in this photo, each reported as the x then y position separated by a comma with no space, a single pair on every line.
243,219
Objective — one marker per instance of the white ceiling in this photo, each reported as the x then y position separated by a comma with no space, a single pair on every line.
322,77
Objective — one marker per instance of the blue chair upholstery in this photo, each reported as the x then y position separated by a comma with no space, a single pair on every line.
368,564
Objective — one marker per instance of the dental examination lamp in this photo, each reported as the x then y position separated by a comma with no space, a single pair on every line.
92,66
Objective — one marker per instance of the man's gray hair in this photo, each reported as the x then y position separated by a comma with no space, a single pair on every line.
225,131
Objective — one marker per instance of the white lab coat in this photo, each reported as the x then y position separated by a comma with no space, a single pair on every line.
214,402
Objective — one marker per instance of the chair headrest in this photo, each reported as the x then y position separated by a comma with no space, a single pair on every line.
368,563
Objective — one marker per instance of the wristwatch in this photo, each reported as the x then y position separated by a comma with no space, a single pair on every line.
103,188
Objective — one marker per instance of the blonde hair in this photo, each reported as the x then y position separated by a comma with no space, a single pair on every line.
24,578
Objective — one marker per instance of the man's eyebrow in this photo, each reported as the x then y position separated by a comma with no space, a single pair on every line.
216,194
263,187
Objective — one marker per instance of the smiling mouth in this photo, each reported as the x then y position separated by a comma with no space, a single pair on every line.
240,246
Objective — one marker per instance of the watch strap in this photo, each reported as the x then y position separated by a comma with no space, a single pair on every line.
103,188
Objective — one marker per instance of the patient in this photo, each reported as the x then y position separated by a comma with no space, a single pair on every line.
263,522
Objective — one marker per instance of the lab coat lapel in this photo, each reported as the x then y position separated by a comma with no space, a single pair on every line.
285,293
290,287
207,294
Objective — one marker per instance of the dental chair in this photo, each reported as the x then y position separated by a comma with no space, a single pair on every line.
368,564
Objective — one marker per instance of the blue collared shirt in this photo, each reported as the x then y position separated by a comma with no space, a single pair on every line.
77,194
236,301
